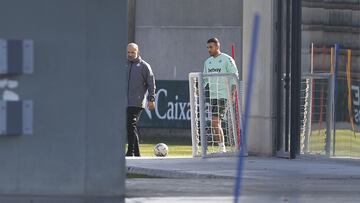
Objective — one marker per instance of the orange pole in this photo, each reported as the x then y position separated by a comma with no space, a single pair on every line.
348,78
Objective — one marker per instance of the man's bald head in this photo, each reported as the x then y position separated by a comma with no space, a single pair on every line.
132,51
133,45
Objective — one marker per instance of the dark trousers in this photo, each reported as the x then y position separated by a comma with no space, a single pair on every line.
133,115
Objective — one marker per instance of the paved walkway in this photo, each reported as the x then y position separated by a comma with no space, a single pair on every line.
264,180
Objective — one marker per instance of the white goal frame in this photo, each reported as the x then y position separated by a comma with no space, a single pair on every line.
308,111
198,114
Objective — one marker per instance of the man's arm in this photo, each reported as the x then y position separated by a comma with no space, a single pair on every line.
231,67
206,79
205,69
150,82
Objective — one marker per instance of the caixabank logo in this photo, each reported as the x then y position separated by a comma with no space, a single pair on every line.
172,106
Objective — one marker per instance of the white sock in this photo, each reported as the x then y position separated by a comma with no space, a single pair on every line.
221,144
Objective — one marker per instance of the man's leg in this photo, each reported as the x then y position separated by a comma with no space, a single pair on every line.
135,115
217,110
130,131
218,131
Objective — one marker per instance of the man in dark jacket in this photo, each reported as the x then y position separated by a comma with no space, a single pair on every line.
141,81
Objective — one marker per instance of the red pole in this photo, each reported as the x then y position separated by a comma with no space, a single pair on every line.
233,51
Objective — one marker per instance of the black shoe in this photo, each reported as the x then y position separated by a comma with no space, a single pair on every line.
129,154
137,155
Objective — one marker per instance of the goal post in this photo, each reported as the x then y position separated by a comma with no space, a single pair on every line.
318,113
214,97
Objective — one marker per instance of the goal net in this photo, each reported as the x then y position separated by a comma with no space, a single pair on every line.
317,108
215,102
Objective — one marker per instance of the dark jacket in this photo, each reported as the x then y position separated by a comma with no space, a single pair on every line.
141,79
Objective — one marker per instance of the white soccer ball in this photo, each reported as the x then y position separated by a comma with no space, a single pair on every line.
161,149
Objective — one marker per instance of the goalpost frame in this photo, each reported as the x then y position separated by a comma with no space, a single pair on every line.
198,129
329,110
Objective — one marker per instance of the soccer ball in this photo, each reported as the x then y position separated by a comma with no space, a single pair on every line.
161,149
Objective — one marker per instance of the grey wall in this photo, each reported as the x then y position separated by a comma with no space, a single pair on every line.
261,124
172,34
78,88
326,23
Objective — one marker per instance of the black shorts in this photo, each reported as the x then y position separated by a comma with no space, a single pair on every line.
218,107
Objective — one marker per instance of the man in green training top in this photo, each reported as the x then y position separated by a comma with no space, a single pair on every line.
218,63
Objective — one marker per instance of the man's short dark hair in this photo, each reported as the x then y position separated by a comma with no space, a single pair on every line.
214,40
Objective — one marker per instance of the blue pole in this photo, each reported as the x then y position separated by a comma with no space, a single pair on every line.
240,165
335,92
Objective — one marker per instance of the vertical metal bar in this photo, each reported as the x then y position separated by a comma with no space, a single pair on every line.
243,145
278,98
295,77
312,59
193,112
202,116
232,112
335,94
309,102
287,77
329,115
308,113
348,76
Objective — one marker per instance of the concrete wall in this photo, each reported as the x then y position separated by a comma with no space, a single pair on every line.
172,34
174,42
79,93
326,23
261,123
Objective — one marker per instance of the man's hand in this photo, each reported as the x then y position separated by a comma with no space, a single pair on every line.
151,106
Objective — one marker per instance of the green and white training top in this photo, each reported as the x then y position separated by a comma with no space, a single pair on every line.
222,63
